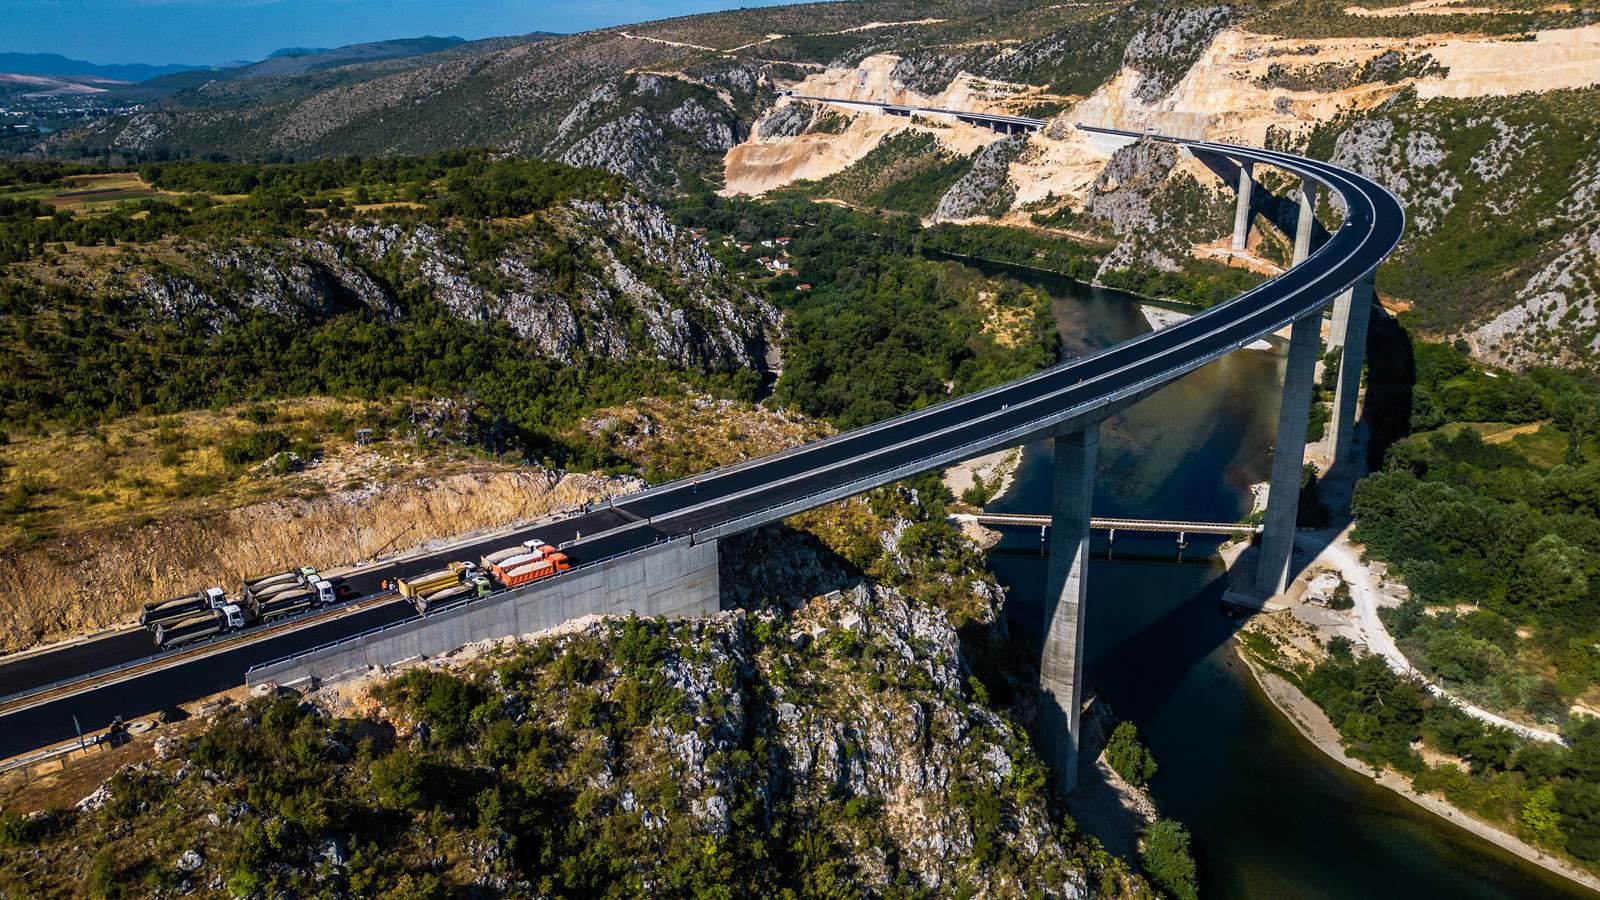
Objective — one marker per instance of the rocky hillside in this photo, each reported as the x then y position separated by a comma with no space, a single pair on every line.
1498,253
842,736
518,282
1435,101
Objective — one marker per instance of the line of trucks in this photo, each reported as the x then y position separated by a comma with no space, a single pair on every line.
210,612
512,567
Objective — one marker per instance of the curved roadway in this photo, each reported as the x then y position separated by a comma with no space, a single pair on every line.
737,498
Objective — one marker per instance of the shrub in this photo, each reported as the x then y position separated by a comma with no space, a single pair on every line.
255,447
1166,859
1128,757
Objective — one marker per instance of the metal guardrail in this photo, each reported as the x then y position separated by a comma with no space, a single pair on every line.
462,603
195,649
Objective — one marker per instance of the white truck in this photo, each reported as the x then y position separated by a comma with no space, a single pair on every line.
229,617
180,608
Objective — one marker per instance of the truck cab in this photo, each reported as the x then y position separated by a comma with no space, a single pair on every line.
323,588
233,616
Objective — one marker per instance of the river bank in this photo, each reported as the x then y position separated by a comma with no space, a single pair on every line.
1315,727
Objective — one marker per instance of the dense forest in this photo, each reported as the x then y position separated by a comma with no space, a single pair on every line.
882,330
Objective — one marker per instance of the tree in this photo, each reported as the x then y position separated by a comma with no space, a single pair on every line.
1541,817
1553,572
1579,416
1128,757
1167,861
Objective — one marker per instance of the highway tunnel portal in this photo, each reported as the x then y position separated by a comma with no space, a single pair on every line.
625,540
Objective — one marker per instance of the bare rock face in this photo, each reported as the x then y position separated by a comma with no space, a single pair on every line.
791,119
1121,193
1404,160
1169,44
986,189
645,127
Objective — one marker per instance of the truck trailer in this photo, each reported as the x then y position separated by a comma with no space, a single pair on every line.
453,574
287,603
257,589
518,571
533,547
476,586
229,617
177,609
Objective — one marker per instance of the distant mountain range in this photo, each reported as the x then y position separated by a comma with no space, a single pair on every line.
56,64
287,61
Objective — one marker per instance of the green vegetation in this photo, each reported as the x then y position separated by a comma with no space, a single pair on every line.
1167,861
459,184
1327,19
1501,224
1542,791
1128,757
82,356
1509,526
574,766
1490,513
882,331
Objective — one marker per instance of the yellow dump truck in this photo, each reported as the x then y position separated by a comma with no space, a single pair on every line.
433,581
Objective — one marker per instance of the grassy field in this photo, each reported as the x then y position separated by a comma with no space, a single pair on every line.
146,468
1540,443
90,192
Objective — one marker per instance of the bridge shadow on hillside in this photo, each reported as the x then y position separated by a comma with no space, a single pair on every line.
1282,210
1385,418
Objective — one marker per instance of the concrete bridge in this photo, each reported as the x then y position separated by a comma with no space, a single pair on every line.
655,553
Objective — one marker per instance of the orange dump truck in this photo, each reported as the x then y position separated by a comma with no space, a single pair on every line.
523,568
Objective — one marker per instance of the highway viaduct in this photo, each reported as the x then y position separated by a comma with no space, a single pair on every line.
624,542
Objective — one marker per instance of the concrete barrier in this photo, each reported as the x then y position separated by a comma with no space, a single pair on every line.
674,579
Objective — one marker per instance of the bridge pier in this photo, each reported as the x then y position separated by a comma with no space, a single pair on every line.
1241,213
1307,222
1288,455
1351,314
1061,663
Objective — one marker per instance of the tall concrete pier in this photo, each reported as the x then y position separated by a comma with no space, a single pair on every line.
1241,213
1061,664
1307,222
1288,455
1352,312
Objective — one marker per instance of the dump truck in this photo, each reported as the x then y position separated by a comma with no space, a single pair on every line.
533,547
475,586
518,571
179,608
427,583
286,603
256,590
229,617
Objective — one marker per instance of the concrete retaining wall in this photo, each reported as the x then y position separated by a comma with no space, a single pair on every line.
674,579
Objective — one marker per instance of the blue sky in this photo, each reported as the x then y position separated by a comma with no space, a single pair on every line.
213,31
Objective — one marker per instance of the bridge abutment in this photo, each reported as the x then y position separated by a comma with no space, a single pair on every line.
1061,663
1241,213
1288,455
1351,314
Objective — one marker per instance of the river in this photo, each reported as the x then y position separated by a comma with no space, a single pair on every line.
1271,816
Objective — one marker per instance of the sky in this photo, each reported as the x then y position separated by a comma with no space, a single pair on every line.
206,32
